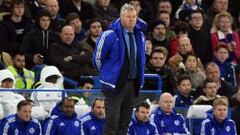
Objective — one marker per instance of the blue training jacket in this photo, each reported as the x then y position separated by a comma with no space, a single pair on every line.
63,125
109,55
139,128
13,125
173,123
211,126
91,124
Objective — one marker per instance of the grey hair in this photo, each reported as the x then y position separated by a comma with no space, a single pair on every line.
127,7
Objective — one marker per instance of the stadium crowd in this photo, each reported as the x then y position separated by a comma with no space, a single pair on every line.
193,45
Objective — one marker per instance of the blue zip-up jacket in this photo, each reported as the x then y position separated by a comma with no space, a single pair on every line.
181,101
91,124
110,52
13,125
62,125
211,126
139,128
173,123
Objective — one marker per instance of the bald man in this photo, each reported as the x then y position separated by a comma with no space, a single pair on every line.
67,55
57,21
166,120
184,46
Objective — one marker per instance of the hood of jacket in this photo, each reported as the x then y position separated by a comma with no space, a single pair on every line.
4,74
48,71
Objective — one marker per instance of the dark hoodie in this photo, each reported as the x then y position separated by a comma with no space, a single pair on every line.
38,40
11,34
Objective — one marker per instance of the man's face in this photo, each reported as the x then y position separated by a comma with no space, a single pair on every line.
196,21
99,109
7,83
25,112
220,5
76,24
220,112
44,22
143,114
137,5
159,32
184,45
185,87
67,35
158,60
222,54
211,89
166,104
18,10
213,73
53,7
129,19
165,18
68,107
224,24
149,47
19,61
165,6
190,2
95,29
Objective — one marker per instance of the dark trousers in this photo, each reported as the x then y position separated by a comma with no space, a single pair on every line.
119,110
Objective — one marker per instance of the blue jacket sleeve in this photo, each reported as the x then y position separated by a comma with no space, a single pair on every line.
155,122
50,128
5,128
184,129
204,128
103,45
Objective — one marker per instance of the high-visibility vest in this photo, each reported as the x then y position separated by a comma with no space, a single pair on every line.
22,82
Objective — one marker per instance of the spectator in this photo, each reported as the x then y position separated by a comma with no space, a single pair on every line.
5,6
50,79
149,48
74,21
140,124
181,29
144,9
57,21
87,84
13,27
66,55
21,122
199,37
218,123
184,46
121,67
37,42
8,99
83,9
24,78
222,32
166,120
190,67
227,71
223,87
92,122
210,93
106,12
36,5
65,122
183,97
187,7
217,6
158,66
159,35
89,43
165,5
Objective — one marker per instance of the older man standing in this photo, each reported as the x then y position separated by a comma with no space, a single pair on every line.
166,120
119,56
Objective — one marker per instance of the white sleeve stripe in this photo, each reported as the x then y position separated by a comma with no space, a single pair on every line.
49,127
5,129
99,49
